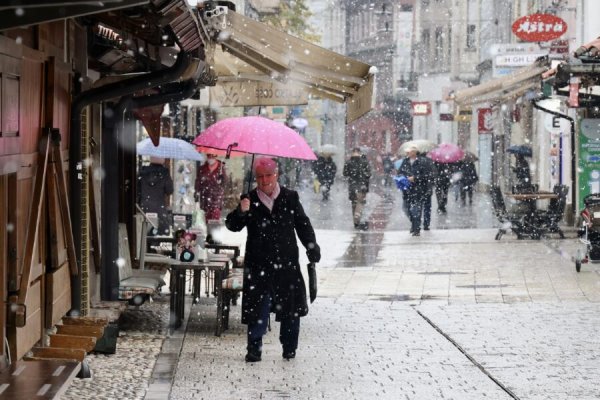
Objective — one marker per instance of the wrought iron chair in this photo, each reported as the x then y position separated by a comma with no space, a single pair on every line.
512,221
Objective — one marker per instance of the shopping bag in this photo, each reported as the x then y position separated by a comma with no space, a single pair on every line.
316,185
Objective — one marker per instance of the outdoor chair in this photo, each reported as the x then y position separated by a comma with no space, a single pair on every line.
135,285
513,221
548,220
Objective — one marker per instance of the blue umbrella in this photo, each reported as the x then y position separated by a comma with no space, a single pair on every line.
520,149
402,182
169,148
398,163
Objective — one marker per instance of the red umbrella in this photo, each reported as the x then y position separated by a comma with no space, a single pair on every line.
254,135
446,153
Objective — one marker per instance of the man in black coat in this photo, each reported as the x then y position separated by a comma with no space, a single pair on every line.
418,171
273,282
153,190
358,172
325,170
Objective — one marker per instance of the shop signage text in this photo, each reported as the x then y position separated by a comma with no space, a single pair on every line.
421,108
539,27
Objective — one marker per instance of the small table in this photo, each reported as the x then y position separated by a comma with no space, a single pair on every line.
531,224
533,196
178,272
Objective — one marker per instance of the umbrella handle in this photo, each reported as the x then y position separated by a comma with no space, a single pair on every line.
229,148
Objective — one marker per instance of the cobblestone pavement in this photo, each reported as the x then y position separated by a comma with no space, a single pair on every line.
452,314
126,374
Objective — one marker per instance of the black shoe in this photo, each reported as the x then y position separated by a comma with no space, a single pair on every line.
288,355
253,356
363,226
425,228
416,234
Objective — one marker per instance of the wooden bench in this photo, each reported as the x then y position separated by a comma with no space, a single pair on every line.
39,379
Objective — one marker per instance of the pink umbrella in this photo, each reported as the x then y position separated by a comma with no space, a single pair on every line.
254,135
446,153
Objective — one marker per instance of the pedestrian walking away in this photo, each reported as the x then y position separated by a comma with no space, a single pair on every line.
273,215
325,170
210,187
358,173
388,169
418,171
467,181
155,185
430,181
442,184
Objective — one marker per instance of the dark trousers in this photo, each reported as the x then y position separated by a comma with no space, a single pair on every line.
441,193
288,331
466,191
427,211
415,207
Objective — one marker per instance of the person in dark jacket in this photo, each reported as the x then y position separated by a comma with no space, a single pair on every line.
154,188
273,215
522,175
467,181
442,184
325,170
430,178
358,173
418,171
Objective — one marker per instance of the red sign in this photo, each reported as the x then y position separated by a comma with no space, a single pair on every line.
539,27
421,108
485,123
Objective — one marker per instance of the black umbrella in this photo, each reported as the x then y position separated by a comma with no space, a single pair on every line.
312,281
520,149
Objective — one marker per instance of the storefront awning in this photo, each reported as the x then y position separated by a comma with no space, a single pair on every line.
501,89
252,52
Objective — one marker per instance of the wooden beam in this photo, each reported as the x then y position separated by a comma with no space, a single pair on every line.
86,343
80,330
58,353
61,185
33,223
87,321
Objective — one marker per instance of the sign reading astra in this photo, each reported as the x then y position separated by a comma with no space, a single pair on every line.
539,27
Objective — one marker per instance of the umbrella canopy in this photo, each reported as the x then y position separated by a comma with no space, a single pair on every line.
169,148
328,149
255,135
422,145
299,123
520,149
446,153
398,163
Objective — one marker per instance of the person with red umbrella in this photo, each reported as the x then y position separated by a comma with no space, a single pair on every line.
273,215
211,179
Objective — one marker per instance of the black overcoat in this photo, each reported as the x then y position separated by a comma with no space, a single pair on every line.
271,262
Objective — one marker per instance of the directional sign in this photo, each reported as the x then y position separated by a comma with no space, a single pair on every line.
517,60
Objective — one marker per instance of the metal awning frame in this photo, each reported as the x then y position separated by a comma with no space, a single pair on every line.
501,89
242,49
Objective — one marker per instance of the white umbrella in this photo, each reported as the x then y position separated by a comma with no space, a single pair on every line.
299,123
422,145
328,149
169,148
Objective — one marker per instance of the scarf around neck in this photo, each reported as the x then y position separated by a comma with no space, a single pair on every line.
267,200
